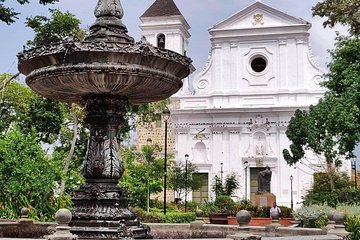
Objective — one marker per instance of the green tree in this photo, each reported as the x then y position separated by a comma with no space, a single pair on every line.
9,15
143,174
346,12
322,193
15,99
182,181
20,106
27,176
332,127
46,117
58,28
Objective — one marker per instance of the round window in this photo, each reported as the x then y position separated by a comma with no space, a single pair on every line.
258,64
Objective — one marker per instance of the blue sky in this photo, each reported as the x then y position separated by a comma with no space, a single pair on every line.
201,15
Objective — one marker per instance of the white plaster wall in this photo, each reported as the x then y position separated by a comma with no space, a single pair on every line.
228,94
231,145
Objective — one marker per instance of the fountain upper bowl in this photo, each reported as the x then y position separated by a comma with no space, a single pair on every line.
74,71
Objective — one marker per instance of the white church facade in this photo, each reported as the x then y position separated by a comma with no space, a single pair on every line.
233,116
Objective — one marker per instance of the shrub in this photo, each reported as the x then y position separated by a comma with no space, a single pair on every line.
349,210
313,216
224,203
192,206
27,177
208,208
321,192
352,225
158,217
262,212
156,203
286,212
177,217
258,211
147,217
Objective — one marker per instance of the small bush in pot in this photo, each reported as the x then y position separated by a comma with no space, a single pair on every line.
208,208
224,203
227,188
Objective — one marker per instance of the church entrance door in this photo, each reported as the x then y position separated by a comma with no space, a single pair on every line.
201,195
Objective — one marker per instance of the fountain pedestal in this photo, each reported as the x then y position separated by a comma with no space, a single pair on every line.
101,203
105,73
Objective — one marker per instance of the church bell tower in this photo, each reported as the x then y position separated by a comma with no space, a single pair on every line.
164,26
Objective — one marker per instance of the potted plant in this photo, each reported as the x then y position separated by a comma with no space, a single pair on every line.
223,201
224,205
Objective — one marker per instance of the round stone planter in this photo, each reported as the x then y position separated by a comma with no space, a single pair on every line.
243,217
339,218
330,215
199,213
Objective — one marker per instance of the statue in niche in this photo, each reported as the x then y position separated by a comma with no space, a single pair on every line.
259,148
264,179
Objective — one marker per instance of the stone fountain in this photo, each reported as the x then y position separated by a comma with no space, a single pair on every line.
104,73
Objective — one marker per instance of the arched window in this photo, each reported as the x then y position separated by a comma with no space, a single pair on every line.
161,41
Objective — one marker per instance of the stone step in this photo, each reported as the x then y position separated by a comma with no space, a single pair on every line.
318,237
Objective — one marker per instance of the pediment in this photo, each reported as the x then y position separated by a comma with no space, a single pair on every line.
258,15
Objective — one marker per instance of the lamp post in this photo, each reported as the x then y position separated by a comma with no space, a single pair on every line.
353,166
246,164
186,179
166,116
291,192
221,172
148,143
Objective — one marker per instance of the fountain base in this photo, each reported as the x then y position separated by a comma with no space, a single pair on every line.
101,211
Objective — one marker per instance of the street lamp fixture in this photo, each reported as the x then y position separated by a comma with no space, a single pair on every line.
246,164
291,192
186,179
221,172
166,116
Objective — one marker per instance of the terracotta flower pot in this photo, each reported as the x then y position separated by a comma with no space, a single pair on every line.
218,218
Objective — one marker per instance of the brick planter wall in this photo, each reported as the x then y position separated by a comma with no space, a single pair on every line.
261,221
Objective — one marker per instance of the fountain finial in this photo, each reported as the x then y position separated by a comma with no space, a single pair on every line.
108,25
109,8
